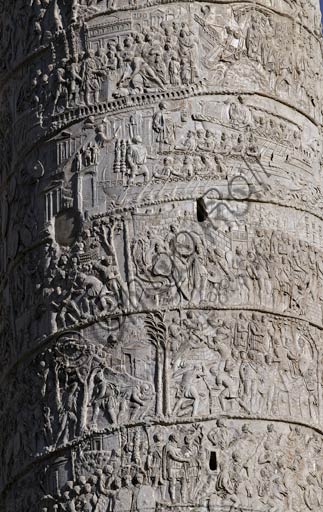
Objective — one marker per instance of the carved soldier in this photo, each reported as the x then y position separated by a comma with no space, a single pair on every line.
241,335
125,495
174,71
144,496
67,412
137,159
164,127
155,461
104,397
188,395
174,468
74,82
91,81
61,86
258,343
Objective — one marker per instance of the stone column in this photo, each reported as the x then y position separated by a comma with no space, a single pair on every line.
161,256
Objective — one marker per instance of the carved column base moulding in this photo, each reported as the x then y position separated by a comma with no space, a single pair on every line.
161,256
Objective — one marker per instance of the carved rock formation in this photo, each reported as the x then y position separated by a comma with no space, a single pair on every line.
161,250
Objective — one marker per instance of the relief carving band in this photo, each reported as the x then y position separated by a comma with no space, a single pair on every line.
161,256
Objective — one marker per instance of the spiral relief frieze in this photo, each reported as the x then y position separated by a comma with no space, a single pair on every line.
161,269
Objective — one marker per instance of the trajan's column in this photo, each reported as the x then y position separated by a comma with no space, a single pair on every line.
161,256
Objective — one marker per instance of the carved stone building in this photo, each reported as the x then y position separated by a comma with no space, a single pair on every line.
161,256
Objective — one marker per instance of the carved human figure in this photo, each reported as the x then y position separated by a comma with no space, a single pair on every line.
104,398
137,159
174,469
188,395
164,127
67,412
91,79
155,461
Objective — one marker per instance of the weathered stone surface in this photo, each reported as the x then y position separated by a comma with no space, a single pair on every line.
161,256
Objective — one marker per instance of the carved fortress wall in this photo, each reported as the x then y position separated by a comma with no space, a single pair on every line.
161,256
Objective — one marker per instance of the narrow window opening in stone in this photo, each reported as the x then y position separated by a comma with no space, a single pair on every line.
212,462
202,214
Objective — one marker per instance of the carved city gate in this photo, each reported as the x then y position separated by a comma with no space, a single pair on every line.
161,256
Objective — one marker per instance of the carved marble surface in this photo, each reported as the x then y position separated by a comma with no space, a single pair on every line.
161,275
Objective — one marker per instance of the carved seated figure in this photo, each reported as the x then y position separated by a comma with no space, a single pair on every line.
167,171
136,159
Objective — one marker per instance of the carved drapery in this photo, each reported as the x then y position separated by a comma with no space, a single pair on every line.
161,256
